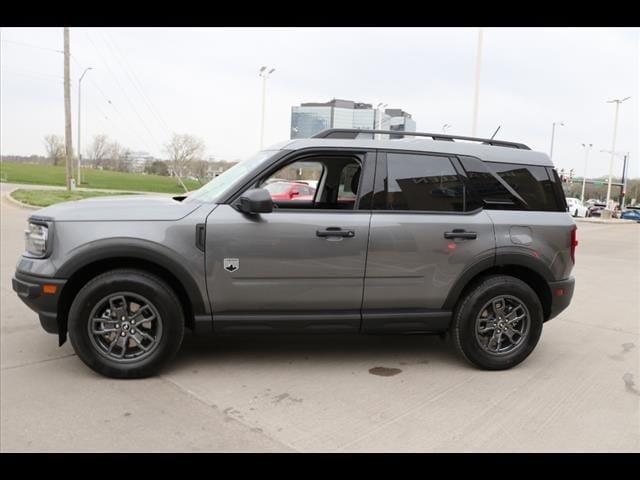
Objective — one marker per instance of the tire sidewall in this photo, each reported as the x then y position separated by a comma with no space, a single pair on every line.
148,286
465,322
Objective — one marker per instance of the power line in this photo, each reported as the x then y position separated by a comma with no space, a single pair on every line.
144,124
108,101
36,75
135,81
32,46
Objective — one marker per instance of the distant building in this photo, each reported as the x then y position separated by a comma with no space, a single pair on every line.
136,161
311,118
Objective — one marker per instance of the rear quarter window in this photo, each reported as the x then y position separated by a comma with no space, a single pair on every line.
511,186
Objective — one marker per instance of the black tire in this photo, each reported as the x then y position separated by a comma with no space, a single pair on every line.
468,310
142,285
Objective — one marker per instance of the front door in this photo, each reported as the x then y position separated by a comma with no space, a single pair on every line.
301,267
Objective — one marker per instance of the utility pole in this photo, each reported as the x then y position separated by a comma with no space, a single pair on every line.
79,111
613,147
553,134
584,176
67,111
476,95
264,74
623,194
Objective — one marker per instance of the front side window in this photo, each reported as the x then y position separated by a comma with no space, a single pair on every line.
315,182
423,183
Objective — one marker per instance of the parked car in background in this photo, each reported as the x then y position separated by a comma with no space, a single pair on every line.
631,213
596,210
286,191
576,208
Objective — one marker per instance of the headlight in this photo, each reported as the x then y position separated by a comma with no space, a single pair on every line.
35,238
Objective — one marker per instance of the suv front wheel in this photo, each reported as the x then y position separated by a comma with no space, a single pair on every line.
498,324
126,323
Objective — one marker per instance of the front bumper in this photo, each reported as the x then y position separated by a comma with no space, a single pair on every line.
561,295
31,291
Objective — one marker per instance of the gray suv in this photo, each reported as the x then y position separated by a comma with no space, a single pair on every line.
409,235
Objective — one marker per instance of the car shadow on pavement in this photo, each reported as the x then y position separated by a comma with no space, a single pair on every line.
342,348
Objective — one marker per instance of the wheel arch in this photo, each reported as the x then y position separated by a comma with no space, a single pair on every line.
530,271
96,259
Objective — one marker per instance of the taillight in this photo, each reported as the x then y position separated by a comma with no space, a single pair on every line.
574,243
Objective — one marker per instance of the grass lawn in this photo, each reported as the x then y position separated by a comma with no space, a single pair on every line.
51,175
44,198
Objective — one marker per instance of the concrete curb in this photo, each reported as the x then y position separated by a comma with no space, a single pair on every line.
18,203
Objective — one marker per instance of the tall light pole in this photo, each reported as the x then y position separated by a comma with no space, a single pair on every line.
476,96
584,176
79,111
553,134
613,147
264,73
380,109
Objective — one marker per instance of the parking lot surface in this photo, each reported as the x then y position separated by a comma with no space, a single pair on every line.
578,392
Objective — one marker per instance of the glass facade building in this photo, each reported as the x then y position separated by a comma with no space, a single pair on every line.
311,118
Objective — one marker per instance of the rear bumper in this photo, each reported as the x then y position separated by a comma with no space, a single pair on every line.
30,290
561,295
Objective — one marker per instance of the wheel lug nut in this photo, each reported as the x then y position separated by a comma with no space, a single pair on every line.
123,319
133,331
117,325
123,334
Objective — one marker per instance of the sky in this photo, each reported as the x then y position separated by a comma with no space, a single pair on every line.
147,83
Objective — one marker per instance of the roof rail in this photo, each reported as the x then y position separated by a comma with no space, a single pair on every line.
354,132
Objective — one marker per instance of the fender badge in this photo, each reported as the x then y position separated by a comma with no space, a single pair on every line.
231,264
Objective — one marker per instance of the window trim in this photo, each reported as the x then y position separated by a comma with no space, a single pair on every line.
382,176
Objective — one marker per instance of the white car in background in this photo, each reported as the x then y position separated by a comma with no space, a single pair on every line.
576,208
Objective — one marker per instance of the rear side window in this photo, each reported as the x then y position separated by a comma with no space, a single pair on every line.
509,186
423,182
531,182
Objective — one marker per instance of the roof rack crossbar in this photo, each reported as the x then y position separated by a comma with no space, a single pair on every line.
352,133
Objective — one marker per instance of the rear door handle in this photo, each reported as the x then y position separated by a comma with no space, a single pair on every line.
335,232
458,233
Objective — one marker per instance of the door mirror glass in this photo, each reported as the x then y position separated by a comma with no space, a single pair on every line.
255,201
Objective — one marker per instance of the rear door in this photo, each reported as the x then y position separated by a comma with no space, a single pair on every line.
425,230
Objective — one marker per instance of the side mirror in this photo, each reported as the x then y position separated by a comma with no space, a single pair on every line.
255,201
294,193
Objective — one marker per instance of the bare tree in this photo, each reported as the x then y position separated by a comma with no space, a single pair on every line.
182,151
54,145
117,155
98,151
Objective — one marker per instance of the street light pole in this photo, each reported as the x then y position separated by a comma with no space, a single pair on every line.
79,110
553,134
613,147
380,109
584,176
476,96
264,74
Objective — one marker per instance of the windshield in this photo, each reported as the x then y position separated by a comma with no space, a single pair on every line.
217,187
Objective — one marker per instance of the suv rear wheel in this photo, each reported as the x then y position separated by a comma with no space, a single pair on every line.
126,323
498,324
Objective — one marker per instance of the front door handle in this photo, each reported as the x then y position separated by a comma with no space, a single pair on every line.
459,233
335,232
